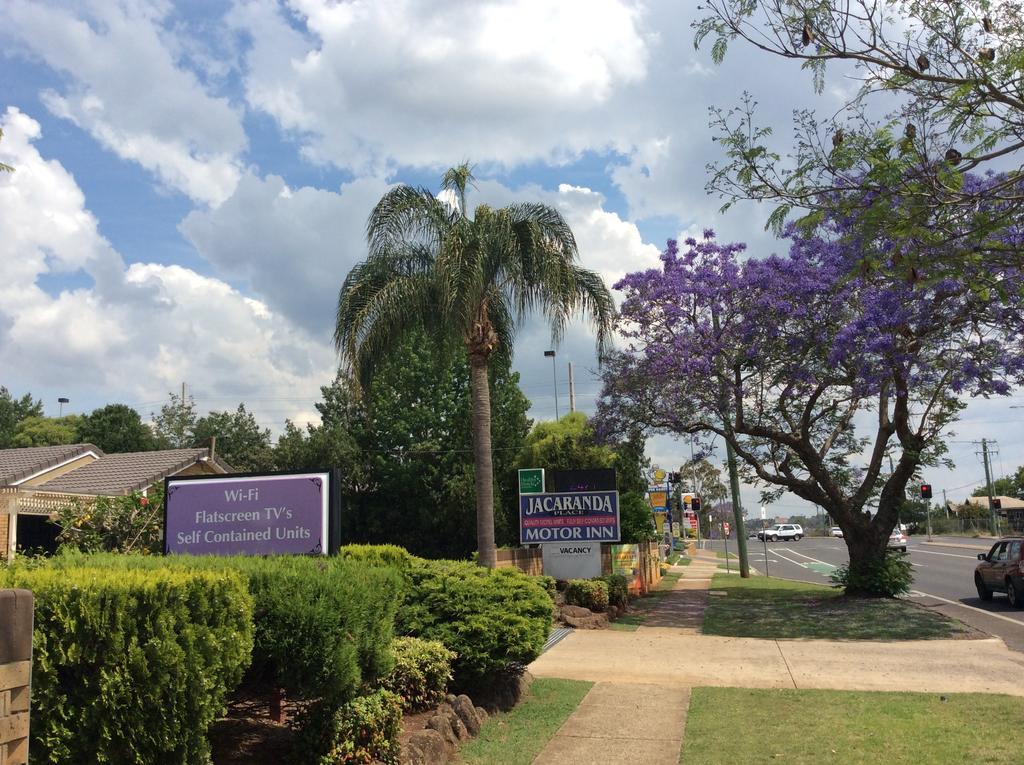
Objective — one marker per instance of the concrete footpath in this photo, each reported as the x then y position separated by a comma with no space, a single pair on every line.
648,674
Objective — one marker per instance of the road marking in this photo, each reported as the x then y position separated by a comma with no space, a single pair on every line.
918,593
948,555
790,560
826,563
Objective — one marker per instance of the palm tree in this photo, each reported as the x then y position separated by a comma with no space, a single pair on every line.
467,279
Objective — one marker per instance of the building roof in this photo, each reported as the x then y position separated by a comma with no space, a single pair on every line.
18,464
117,474
1008,503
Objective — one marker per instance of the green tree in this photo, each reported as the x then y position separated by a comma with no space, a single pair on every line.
950,72
635,519
115,428
241,442
404,449
14,410
46,431
175,424
470,280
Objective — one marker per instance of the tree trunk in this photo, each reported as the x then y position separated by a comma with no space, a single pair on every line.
867,549
483,471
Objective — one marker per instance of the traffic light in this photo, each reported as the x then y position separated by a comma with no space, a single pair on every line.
695,504
926,491
997,504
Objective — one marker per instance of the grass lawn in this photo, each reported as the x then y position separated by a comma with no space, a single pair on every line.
516,737
729,726
777,608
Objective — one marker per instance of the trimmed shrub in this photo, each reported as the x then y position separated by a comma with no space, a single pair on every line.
378,555
589,593
131,666
550,584
323,626
422,671
365,730
618,589
496,620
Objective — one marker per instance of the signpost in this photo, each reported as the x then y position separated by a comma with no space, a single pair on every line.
725,538
531,481
578,516
252,514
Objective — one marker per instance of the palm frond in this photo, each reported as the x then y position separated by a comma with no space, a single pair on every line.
406,215
456,180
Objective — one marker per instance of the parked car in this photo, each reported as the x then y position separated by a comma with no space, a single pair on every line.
897,540
835,531
792,531
1002,570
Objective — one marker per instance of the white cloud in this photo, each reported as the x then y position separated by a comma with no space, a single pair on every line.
413,82
127,90
294,247
136,332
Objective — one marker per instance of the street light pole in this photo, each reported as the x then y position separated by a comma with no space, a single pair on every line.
554,379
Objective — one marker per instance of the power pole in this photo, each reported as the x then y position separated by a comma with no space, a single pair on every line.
572,390
945,504
737,511
988,485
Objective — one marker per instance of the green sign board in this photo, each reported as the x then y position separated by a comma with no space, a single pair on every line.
531,481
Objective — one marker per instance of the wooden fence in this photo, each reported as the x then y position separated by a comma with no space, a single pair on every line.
15,674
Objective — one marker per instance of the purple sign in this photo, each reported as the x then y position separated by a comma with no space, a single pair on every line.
251,515
575,516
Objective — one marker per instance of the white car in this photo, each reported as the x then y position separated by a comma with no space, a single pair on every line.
835,531
785,531
897,540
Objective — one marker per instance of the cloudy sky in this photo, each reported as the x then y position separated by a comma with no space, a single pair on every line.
193,178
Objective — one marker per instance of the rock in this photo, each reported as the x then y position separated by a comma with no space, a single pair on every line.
575,611
482,714
431,747
591,622
412,755
455,720
450,698
464,708
440,724
613,612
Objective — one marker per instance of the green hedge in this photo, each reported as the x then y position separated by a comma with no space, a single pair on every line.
496,621
422,671
588,593
132,666
323,626
380,555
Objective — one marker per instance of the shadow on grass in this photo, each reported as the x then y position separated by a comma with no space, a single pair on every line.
776,608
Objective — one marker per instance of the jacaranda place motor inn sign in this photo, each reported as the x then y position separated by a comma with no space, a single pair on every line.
260,514
578,516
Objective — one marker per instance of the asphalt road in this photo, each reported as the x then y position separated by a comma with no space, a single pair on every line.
943,576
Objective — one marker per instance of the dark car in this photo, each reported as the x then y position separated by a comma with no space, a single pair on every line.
1002,570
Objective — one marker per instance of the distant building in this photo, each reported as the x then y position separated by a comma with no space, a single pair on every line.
36,481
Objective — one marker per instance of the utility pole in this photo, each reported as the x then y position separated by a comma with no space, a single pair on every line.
945,504
696,489
737,510
572,390
988,485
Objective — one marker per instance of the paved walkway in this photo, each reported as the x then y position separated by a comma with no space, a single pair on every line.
622,723
637,709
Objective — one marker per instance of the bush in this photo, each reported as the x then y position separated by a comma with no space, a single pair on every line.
422,671
589,593
364,730
132,666
323,626
887,578
378,555
550,584
496,620
618,589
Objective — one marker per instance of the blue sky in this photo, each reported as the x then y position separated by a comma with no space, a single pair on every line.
193,177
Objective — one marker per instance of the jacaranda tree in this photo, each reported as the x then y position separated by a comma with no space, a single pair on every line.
468,280
816,377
